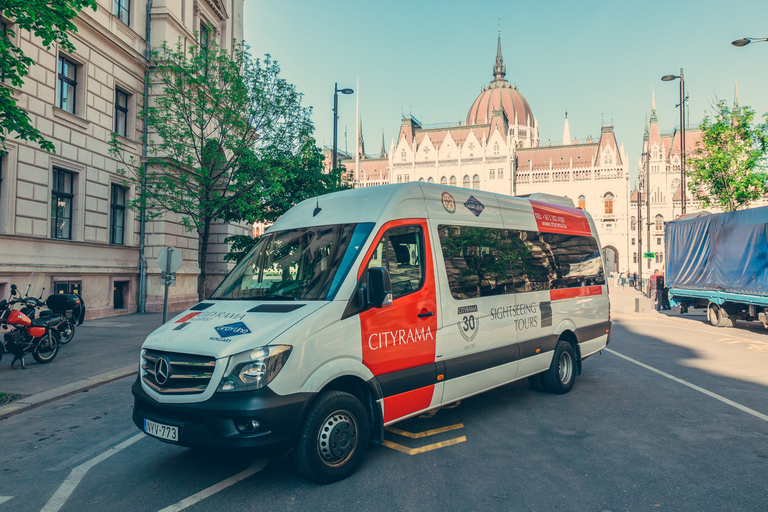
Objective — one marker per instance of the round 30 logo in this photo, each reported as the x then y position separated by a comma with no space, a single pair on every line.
448,202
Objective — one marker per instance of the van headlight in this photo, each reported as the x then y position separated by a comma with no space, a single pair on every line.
255,368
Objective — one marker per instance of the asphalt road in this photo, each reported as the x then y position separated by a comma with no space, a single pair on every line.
673,416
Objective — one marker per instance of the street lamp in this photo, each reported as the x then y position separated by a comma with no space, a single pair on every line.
744,41
668,78
336,92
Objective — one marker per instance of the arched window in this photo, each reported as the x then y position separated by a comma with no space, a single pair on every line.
495,149
453,181
476,182
633,222
582,202
608,200
659,223
402,156
443,180
421,179
431,180
466,181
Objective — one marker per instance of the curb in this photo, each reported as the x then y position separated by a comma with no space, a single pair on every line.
46,397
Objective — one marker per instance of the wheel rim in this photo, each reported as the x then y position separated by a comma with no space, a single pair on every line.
337,439
46,348
67,333
566,367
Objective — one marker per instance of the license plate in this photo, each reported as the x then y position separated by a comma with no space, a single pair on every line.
162,431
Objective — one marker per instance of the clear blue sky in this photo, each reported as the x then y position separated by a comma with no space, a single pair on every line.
599,60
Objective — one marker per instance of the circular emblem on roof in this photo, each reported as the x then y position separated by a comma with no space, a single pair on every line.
448,202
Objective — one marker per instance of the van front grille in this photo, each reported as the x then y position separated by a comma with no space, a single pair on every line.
178,374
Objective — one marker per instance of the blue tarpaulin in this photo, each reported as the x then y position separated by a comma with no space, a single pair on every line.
725,251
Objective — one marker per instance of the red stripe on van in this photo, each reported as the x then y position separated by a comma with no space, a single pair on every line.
397,406
560,219
187,317
572,293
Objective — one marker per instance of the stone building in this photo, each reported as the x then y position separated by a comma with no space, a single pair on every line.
498,149
64,224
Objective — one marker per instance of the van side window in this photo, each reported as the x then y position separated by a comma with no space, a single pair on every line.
481,262
401,251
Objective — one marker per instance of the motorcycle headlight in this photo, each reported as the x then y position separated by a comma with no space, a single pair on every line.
254,369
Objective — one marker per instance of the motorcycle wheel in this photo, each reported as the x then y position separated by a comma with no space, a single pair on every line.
47,348
67,331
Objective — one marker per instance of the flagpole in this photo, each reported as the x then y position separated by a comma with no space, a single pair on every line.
357,138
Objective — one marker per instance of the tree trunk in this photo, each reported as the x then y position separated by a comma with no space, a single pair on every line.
202,259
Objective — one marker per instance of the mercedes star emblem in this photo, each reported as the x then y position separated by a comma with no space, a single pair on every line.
162,371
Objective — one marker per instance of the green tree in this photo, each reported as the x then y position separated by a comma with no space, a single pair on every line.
726,169
50,20
223,128
303,177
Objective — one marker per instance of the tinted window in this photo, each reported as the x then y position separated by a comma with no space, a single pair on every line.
480,262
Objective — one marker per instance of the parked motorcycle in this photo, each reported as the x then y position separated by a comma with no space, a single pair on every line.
69,305
40,336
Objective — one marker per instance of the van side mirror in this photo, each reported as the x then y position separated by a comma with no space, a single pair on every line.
378,288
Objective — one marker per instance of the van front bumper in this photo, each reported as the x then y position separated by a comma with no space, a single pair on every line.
214,422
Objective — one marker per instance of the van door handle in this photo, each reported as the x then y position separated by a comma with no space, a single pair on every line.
425,314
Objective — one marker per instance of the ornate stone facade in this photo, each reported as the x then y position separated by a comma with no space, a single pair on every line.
62,221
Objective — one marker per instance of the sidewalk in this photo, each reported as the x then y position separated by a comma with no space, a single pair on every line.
101,351
623,302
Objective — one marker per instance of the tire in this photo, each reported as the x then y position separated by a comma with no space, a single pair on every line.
47,347
537,382
562,371
334,415
723,318
66,331
713,314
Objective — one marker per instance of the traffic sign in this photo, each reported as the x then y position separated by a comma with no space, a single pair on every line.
649,255
166,254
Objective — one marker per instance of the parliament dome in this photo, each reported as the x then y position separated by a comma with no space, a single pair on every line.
500,95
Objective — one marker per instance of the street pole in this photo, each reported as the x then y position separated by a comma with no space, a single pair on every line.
335,120
639,227
648,196
682,142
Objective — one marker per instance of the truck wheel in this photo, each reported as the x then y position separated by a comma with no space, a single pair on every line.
723,319
713,314
333,439
562,372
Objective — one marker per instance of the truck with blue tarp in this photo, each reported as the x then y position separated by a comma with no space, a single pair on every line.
720,262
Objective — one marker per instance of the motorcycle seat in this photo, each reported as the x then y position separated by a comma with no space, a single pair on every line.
48,321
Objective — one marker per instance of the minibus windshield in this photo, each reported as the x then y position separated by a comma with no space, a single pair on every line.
296,264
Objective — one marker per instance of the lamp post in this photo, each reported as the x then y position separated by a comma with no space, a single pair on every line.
744,41
668,78
336,92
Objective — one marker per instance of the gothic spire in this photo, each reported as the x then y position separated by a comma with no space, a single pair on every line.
654,119
499,69
383,149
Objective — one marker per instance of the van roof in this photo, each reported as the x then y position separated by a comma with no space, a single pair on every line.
409,200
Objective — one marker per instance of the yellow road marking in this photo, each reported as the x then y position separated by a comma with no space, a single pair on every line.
423,449
427,433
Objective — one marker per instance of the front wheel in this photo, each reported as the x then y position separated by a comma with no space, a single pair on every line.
67,331
333,439
562,372
47,347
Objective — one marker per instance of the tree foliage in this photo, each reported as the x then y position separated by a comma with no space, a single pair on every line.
304,177
726,169
50,20
223,128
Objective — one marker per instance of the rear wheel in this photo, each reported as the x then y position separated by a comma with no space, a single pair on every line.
562,372
67,331
333,439
47,347
718,316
